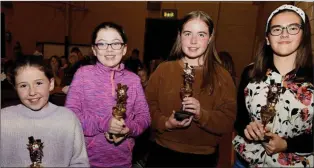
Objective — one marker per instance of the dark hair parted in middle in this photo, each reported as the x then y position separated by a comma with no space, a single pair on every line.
106,25
31,61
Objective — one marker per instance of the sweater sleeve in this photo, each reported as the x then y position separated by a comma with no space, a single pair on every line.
157,118
79,157
220,119
243,118
141,120
92,124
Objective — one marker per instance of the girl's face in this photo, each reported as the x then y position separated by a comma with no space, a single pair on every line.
54,62
109,55
195,37
33,87
285,44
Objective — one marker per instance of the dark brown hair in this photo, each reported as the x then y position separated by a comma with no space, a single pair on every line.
31,61
106,25
227,63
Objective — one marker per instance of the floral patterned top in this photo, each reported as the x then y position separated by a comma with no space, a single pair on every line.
293,117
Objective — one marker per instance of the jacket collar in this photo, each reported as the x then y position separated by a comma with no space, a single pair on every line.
108,70
302,74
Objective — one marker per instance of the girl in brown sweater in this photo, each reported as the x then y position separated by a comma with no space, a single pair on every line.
194,140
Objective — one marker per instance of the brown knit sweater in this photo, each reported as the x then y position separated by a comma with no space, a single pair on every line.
218,110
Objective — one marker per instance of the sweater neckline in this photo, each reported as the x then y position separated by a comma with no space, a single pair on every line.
44,112
182,65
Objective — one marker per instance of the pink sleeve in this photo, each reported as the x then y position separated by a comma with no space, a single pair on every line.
92,124
141,119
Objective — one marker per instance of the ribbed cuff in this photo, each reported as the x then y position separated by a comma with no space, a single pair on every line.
104,124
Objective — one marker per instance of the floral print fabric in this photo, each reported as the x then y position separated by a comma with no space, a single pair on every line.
294,116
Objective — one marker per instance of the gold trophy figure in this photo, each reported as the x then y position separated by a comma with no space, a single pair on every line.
35,148
268,111
119,110
186,91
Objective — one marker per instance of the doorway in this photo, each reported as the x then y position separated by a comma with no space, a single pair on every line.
160,35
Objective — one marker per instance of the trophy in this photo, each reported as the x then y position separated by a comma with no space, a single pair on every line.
268,111
186,91
36,153
119,110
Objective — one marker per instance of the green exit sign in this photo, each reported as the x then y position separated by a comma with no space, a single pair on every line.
169,13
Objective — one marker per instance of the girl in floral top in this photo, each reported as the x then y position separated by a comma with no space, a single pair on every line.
278,96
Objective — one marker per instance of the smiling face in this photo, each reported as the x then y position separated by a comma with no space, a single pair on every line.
33,87
195,37
109,57
285,44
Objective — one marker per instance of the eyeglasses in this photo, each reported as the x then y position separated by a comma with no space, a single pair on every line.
292,29
104,46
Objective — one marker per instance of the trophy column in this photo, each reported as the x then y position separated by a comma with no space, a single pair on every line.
35,148
119,110
186,91
268,111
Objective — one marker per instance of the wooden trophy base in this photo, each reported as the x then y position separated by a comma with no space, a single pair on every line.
181,115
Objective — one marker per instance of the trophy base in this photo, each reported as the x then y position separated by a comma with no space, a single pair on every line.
266,139
35,165
181,115
116,138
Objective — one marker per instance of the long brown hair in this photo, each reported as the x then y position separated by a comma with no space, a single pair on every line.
264,55
211,58
228,64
